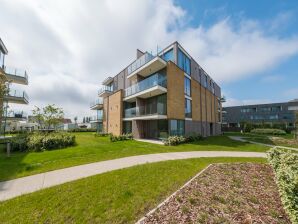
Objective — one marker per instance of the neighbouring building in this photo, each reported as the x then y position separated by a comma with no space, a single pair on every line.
11,76
274,114
161,95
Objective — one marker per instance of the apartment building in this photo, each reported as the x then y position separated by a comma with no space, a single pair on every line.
271,114
160,95
11,77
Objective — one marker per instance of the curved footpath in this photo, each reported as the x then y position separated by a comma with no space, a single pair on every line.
13,188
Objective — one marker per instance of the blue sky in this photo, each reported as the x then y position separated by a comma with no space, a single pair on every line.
250,48
277,82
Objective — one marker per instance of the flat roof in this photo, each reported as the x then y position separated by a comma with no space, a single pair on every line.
2,47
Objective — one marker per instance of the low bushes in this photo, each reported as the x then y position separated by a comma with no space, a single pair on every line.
37,142
285,165
82,130
268,131
176,140
101,134
115,138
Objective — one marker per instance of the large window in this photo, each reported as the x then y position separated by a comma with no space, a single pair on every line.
169,55
205,81
127,127
177,127
187,108
187,88
183,62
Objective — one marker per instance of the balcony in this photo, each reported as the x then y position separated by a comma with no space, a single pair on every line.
96,104
147,112
152,86
105,91
94,119
18,97
18,76
146,65
16,115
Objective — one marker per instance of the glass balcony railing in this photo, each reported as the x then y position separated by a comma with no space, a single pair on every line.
16,72
155,109
17,93
96,102
16,114
96,118
154,80
139,62
105,89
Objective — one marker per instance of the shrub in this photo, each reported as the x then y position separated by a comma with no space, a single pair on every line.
37,142
19,142
82,130
176,140
101,134
268,131
285,166
115,138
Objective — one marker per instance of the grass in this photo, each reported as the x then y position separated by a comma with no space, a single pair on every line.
121,196
92,149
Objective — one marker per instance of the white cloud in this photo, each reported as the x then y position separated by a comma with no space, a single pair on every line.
272,78
69,47
237,102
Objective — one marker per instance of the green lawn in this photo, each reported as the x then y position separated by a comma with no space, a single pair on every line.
121,196
91,149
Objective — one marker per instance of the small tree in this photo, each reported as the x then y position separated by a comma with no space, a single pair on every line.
37,113
76,119
84,119
52,115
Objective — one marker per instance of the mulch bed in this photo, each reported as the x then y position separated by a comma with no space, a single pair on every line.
226,193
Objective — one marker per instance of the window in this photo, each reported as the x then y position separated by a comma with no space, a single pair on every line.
183,62
187,108
265,109
127,127
177,127
205,81
168,56
187,86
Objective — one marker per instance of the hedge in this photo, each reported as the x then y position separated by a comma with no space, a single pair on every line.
285,166
37,141
268,131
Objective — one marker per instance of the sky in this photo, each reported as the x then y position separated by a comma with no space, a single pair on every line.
250,48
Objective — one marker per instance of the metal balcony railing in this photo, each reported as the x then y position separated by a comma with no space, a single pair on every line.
154,80
96,118
139,62
16,114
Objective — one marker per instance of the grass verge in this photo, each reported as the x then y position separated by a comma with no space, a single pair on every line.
121,196
93,149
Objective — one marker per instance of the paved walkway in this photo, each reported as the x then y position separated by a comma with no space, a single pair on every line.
24,185
241,139
154,141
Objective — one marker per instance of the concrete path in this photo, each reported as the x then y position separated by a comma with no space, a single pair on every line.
154,141
24,185
242,139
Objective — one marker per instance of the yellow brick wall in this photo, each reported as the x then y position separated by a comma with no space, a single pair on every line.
115,113
196,101
175,94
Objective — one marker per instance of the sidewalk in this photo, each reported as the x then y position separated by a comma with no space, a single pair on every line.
13,188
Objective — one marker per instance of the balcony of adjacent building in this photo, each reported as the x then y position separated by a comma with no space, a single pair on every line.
152,86
105,91
14,75
97,104
146,65
150,111
18,97
15,116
